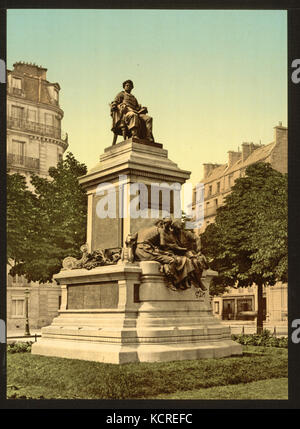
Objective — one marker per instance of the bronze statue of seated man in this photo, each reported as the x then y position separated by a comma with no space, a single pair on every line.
130,119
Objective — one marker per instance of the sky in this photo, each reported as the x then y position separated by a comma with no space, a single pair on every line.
211,79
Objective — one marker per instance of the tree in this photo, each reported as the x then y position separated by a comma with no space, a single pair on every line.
55,224
248,242
22,214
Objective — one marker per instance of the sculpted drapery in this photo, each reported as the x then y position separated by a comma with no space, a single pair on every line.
129,116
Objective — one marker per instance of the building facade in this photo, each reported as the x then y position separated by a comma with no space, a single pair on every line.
218,179
35,142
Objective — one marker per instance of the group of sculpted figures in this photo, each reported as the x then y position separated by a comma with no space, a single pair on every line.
177,249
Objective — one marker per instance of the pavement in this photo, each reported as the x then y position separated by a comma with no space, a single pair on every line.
249,327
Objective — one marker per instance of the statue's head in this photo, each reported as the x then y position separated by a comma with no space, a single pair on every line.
128,82
177,224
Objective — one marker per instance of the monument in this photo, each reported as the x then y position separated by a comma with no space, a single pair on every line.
140,292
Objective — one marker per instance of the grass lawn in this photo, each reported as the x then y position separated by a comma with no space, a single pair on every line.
275,388
33,376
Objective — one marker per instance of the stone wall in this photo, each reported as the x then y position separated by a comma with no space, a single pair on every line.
43,305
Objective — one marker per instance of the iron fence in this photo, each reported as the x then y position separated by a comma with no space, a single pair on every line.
35,336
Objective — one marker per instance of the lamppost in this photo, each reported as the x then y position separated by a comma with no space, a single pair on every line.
27,331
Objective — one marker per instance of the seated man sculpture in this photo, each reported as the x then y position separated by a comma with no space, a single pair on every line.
129,117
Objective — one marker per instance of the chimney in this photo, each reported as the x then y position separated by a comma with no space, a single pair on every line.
31,69
208,168
246,150
233,157
280,133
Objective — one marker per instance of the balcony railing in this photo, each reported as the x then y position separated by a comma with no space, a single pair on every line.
36,127
23,161
15,91
11,90
213,194
210,211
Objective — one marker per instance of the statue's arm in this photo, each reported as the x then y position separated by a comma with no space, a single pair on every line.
166,243
140,108
198,243
118,100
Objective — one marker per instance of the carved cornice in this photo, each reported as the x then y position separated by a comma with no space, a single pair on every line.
45,106
43,139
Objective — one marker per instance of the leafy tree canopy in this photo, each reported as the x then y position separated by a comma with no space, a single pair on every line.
48,224
248,241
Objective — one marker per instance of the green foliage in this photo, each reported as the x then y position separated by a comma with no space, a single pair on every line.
16,347
50,377
276,388
22,215
48,224
265,339
248,241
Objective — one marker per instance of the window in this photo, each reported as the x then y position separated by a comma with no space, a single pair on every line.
207,211
218,187
228,309
216,202
31,115
17,112
48,119
17,150
56,121
18,307
217,307
16,83
17,279
230,182
59,155
210,190
244,305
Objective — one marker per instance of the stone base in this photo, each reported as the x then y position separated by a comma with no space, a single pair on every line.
119,354
149,322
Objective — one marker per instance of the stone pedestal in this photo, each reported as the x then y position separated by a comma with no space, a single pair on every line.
125,313
133,161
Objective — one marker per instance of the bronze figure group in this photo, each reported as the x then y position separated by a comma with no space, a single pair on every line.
177,249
